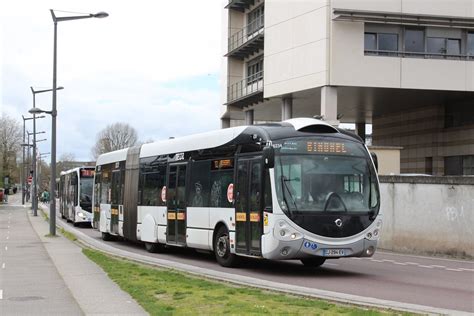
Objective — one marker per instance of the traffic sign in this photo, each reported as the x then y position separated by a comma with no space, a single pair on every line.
30,179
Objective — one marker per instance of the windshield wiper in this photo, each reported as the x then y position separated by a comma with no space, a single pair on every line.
285,186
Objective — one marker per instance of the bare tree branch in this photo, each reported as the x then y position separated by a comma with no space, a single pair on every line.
114,137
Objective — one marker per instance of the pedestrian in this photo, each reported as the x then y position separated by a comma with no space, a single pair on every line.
7,191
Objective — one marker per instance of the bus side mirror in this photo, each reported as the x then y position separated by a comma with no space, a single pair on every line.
269,157
376,160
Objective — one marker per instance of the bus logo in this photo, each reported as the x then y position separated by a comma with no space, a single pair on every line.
338,222
230,193
163,194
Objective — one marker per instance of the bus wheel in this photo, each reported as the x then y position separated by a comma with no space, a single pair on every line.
76,224
313,262
106,237
153,247
222,249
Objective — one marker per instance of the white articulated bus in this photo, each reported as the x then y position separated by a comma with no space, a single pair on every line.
299,189
75,194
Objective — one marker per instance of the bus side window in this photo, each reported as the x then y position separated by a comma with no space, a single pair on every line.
199,187
267,193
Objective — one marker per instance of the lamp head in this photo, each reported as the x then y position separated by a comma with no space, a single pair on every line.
100,15
35,111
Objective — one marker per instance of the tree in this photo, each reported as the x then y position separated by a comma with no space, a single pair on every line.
10,144
66,162
114,137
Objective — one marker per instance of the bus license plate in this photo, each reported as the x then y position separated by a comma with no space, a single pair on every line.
333,252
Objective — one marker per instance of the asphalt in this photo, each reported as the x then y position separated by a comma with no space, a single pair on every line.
43,275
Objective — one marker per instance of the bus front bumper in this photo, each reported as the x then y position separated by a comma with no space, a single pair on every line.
305,248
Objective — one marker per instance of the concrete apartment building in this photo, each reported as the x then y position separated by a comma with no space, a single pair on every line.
404,66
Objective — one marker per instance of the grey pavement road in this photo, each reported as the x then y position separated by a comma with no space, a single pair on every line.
435,282
51,276
29,281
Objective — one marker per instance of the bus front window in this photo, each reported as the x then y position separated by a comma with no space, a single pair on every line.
323,180
86,190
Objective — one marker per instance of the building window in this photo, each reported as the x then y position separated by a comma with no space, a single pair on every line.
255,20
443,47
459,165
414,40
380,43
429,165
255,70
370,41
470,44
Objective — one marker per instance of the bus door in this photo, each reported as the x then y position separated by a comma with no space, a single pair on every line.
249,205
176,203
114,203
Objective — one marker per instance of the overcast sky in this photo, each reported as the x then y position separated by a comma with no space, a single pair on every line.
152,64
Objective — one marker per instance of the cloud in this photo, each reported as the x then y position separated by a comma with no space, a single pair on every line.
152,64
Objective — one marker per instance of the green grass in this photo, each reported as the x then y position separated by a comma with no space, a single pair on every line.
167,292
67,234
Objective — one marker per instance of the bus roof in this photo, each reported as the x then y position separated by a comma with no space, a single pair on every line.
113,156
212,139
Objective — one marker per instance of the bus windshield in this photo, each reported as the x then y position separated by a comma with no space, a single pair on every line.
316,175
86,190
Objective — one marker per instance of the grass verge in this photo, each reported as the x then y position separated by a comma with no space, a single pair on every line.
67,234
166,292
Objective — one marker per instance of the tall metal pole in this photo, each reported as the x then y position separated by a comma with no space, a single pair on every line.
52,204
34,200
23,176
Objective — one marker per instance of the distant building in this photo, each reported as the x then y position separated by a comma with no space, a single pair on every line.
404,66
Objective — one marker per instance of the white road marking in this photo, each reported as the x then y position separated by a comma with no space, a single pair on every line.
437,266
1,294
8,237
413,263
331,264
465,269
423,266
3,265
6,248
400,263
375,260
387,260
457,270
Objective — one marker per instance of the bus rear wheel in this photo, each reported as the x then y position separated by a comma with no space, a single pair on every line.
106,237
153,247
222,249
313,262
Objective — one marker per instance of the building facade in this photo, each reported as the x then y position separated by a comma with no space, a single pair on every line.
404,66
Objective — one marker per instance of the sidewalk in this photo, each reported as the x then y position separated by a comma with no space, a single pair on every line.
72,284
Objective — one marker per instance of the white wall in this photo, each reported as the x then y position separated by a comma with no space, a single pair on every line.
428,218
296,39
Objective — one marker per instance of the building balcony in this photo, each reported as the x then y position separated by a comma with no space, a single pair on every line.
239,5
246,92
247,40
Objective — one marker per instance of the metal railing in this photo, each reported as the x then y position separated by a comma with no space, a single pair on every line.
246,33
245,87
425,55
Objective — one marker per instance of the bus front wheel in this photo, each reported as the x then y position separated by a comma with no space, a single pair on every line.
313,262
222,249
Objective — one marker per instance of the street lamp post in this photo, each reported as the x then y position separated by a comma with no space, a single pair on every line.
23,165
34,201
54,113
35,189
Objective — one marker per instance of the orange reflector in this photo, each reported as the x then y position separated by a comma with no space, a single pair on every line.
254,217
181,216
240,217
171,215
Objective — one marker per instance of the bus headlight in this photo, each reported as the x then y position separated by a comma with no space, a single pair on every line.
80,214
